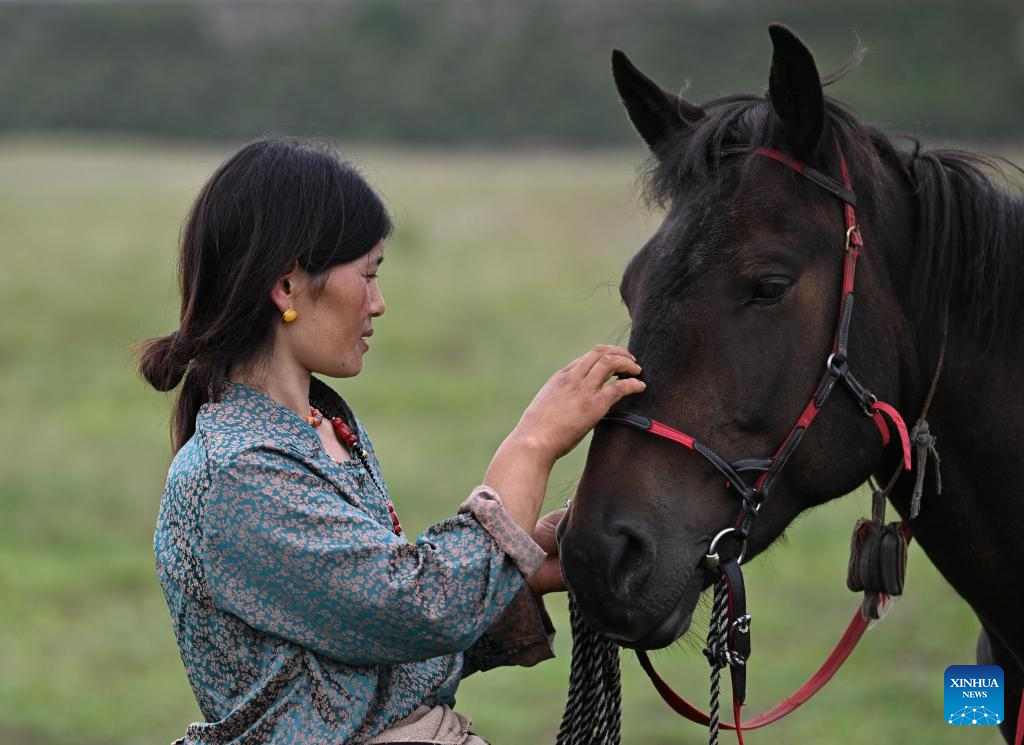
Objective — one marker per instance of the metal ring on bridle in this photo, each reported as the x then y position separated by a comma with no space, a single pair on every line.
711,557
831,359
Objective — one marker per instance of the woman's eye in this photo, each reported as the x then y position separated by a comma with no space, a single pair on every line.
769,290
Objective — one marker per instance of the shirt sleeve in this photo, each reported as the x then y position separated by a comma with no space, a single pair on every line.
285,551
523,635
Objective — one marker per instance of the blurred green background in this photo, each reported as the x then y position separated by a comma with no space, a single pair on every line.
494,132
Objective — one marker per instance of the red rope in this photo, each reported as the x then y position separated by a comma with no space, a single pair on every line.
816,682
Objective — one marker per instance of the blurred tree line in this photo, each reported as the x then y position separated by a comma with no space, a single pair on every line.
480,71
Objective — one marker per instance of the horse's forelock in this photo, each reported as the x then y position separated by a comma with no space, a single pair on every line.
692,158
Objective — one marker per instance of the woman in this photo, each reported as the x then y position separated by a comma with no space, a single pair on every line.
302,613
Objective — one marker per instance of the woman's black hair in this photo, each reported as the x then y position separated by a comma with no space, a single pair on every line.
275,203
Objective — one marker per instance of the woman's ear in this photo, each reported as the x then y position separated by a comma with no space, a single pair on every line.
282,294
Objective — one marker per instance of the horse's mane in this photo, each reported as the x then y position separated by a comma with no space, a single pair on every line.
969,256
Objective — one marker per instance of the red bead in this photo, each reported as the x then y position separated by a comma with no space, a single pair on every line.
344,433
394,520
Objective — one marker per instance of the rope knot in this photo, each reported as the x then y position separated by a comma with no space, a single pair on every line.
924,445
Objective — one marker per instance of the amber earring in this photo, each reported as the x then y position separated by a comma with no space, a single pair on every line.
289,315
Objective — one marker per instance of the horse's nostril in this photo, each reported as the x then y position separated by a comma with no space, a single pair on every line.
631,560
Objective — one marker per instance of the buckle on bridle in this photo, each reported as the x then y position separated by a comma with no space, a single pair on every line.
849,236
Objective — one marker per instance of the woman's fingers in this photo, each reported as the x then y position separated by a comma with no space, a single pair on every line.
582,366
545,535
608,365
590,355
619,389
575,398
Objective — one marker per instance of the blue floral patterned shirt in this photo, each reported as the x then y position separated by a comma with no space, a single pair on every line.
300,615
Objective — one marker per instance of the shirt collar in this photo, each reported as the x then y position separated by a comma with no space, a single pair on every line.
244,409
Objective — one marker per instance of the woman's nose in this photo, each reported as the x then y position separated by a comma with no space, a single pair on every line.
377,304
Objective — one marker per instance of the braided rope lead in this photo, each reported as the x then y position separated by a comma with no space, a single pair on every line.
593,709
717,651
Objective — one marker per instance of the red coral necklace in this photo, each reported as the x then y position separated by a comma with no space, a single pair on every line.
351,442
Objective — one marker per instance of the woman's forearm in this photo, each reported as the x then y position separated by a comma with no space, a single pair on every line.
519,473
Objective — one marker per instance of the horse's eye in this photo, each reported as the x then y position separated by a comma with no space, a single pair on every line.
769,290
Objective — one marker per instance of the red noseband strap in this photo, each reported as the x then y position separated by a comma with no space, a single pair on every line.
663,430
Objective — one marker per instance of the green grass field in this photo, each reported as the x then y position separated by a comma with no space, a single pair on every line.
503,268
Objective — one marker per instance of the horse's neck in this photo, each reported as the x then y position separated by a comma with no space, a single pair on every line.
978,416
973,530
978,409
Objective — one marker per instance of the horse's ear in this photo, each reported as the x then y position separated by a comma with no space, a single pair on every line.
795,91
655,112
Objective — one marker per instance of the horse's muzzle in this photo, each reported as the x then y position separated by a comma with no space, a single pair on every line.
612,574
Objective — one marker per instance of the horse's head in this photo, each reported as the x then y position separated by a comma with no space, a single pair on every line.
734,305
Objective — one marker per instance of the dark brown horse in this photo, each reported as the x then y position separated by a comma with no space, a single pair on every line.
734,303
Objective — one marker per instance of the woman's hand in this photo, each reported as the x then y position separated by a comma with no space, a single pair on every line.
545,534
575,398
549,577
565,409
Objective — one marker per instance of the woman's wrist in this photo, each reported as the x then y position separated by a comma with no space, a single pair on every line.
532,446
548,578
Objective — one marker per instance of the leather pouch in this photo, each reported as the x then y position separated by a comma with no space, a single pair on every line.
878,558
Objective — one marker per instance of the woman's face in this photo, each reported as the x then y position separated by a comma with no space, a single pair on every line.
329,335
